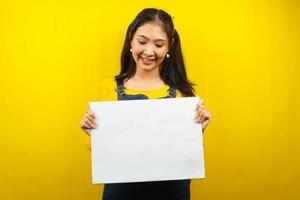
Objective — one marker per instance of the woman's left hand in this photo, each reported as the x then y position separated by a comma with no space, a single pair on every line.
202,116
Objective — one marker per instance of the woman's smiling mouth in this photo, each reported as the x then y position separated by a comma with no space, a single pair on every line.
147,61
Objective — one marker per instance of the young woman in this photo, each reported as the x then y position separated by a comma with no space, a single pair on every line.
151,67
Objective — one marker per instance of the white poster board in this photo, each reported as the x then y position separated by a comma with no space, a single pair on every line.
146,140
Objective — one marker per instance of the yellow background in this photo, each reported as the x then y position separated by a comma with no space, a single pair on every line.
244,56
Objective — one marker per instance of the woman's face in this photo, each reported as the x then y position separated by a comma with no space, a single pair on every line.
149,46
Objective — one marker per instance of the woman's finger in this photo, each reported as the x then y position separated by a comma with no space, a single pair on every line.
205,123
207,120
197,106
89,124
91,113
202,107
204,117
84,124
87,131
200,103
197,114
200,117
203,114
91,119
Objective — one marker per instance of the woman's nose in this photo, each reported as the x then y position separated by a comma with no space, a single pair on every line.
149,50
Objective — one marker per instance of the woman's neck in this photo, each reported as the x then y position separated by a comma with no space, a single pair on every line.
143,80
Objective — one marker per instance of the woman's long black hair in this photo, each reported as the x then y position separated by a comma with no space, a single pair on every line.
172,71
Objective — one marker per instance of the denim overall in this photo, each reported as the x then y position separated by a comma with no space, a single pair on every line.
155,190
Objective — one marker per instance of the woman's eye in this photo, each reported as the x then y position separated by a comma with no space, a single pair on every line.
142,42
159,45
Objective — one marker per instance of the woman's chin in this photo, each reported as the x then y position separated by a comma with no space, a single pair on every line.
144,67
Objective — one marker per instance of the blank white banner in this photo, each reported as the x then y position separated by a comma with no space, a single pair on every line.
146,140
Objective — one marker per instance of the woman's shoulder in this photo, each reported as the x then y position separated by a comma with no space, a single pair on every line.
107,89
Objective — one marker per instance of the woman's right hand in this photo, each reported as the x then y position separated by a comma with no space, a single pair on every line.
88,122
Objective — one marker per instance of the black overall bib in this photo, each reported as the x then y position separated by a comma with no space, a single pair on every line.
155,190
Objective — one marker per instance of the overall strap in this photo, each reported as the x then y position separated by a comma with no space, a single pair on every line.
120,88
172,92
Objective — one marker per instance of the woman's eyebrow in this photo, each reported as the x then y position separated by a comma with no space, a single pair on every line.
148,38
